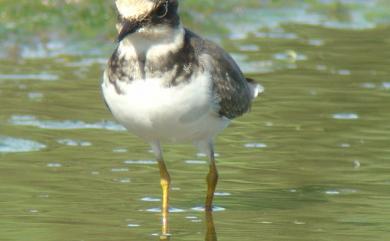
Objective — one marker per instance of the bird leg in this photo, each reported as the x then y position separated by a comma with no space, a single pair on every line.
165,182
212,179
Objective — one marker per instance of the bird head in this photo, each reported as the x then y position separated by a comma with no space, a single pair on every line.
148,18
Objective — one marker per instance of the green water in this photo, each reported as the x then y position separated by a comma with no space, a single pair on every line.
310,162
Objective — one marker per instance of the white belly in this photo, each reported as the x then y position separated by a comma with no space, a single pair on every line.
154,112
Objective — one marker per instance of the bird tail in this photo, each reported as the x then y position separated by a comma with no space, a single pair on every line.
254,87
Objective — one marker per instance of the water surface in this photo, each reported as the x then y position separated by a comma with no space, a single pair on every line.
310,162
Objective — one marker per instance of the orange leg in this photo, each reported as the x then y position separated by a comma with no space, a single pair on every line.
165,182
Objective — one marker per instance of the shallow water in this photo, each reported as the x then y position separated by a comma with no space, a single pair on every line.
310,162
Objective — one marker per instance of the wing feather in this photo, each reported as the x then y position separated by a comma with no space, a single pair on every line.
232,90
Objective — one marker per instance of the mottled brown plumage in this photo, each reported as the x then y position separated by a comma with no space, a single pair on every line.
229,84
231,88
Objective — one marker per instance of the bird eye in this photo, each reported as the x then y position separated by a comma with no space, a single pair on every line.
162,10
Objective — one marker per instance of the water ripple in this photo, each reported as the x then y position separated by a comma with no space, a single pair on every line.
195,162
344,72
368,85
150,199
10,144
290,55
215,209
249,47
277,35
255,145
340,191
140,162
21,120
222,194
158,210
345,116
133,225
119,150
54,165
119,169
35,96
40,76
70,142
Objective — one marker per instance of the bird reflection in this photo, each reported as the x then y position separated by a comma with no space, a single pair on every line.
211,234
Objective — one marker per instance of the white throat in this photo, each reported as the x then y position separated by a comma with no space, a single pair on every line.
152,42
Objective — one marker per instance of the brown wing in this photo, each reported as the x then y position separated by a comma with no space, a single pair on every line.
230,87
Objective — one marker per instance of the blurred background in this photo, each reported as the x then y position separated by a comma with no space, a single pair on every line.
72,25
310,162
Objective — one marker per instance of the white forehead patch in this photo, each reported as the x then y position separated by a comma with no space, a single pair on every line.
134,8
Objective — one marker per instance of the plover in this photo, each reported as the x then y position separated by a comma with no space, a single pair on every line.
165,83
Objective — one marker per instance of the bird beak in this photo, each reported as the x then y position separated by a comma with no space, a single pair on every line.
128,27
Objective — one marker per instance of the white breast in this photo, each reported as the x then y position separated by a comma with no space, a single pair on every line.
155,112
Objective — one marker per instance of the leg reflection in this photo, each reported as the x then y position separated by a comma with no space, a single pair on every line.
211,235
165,237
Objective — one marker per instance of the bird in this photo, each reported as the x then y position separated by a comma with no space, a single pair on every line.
166,84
